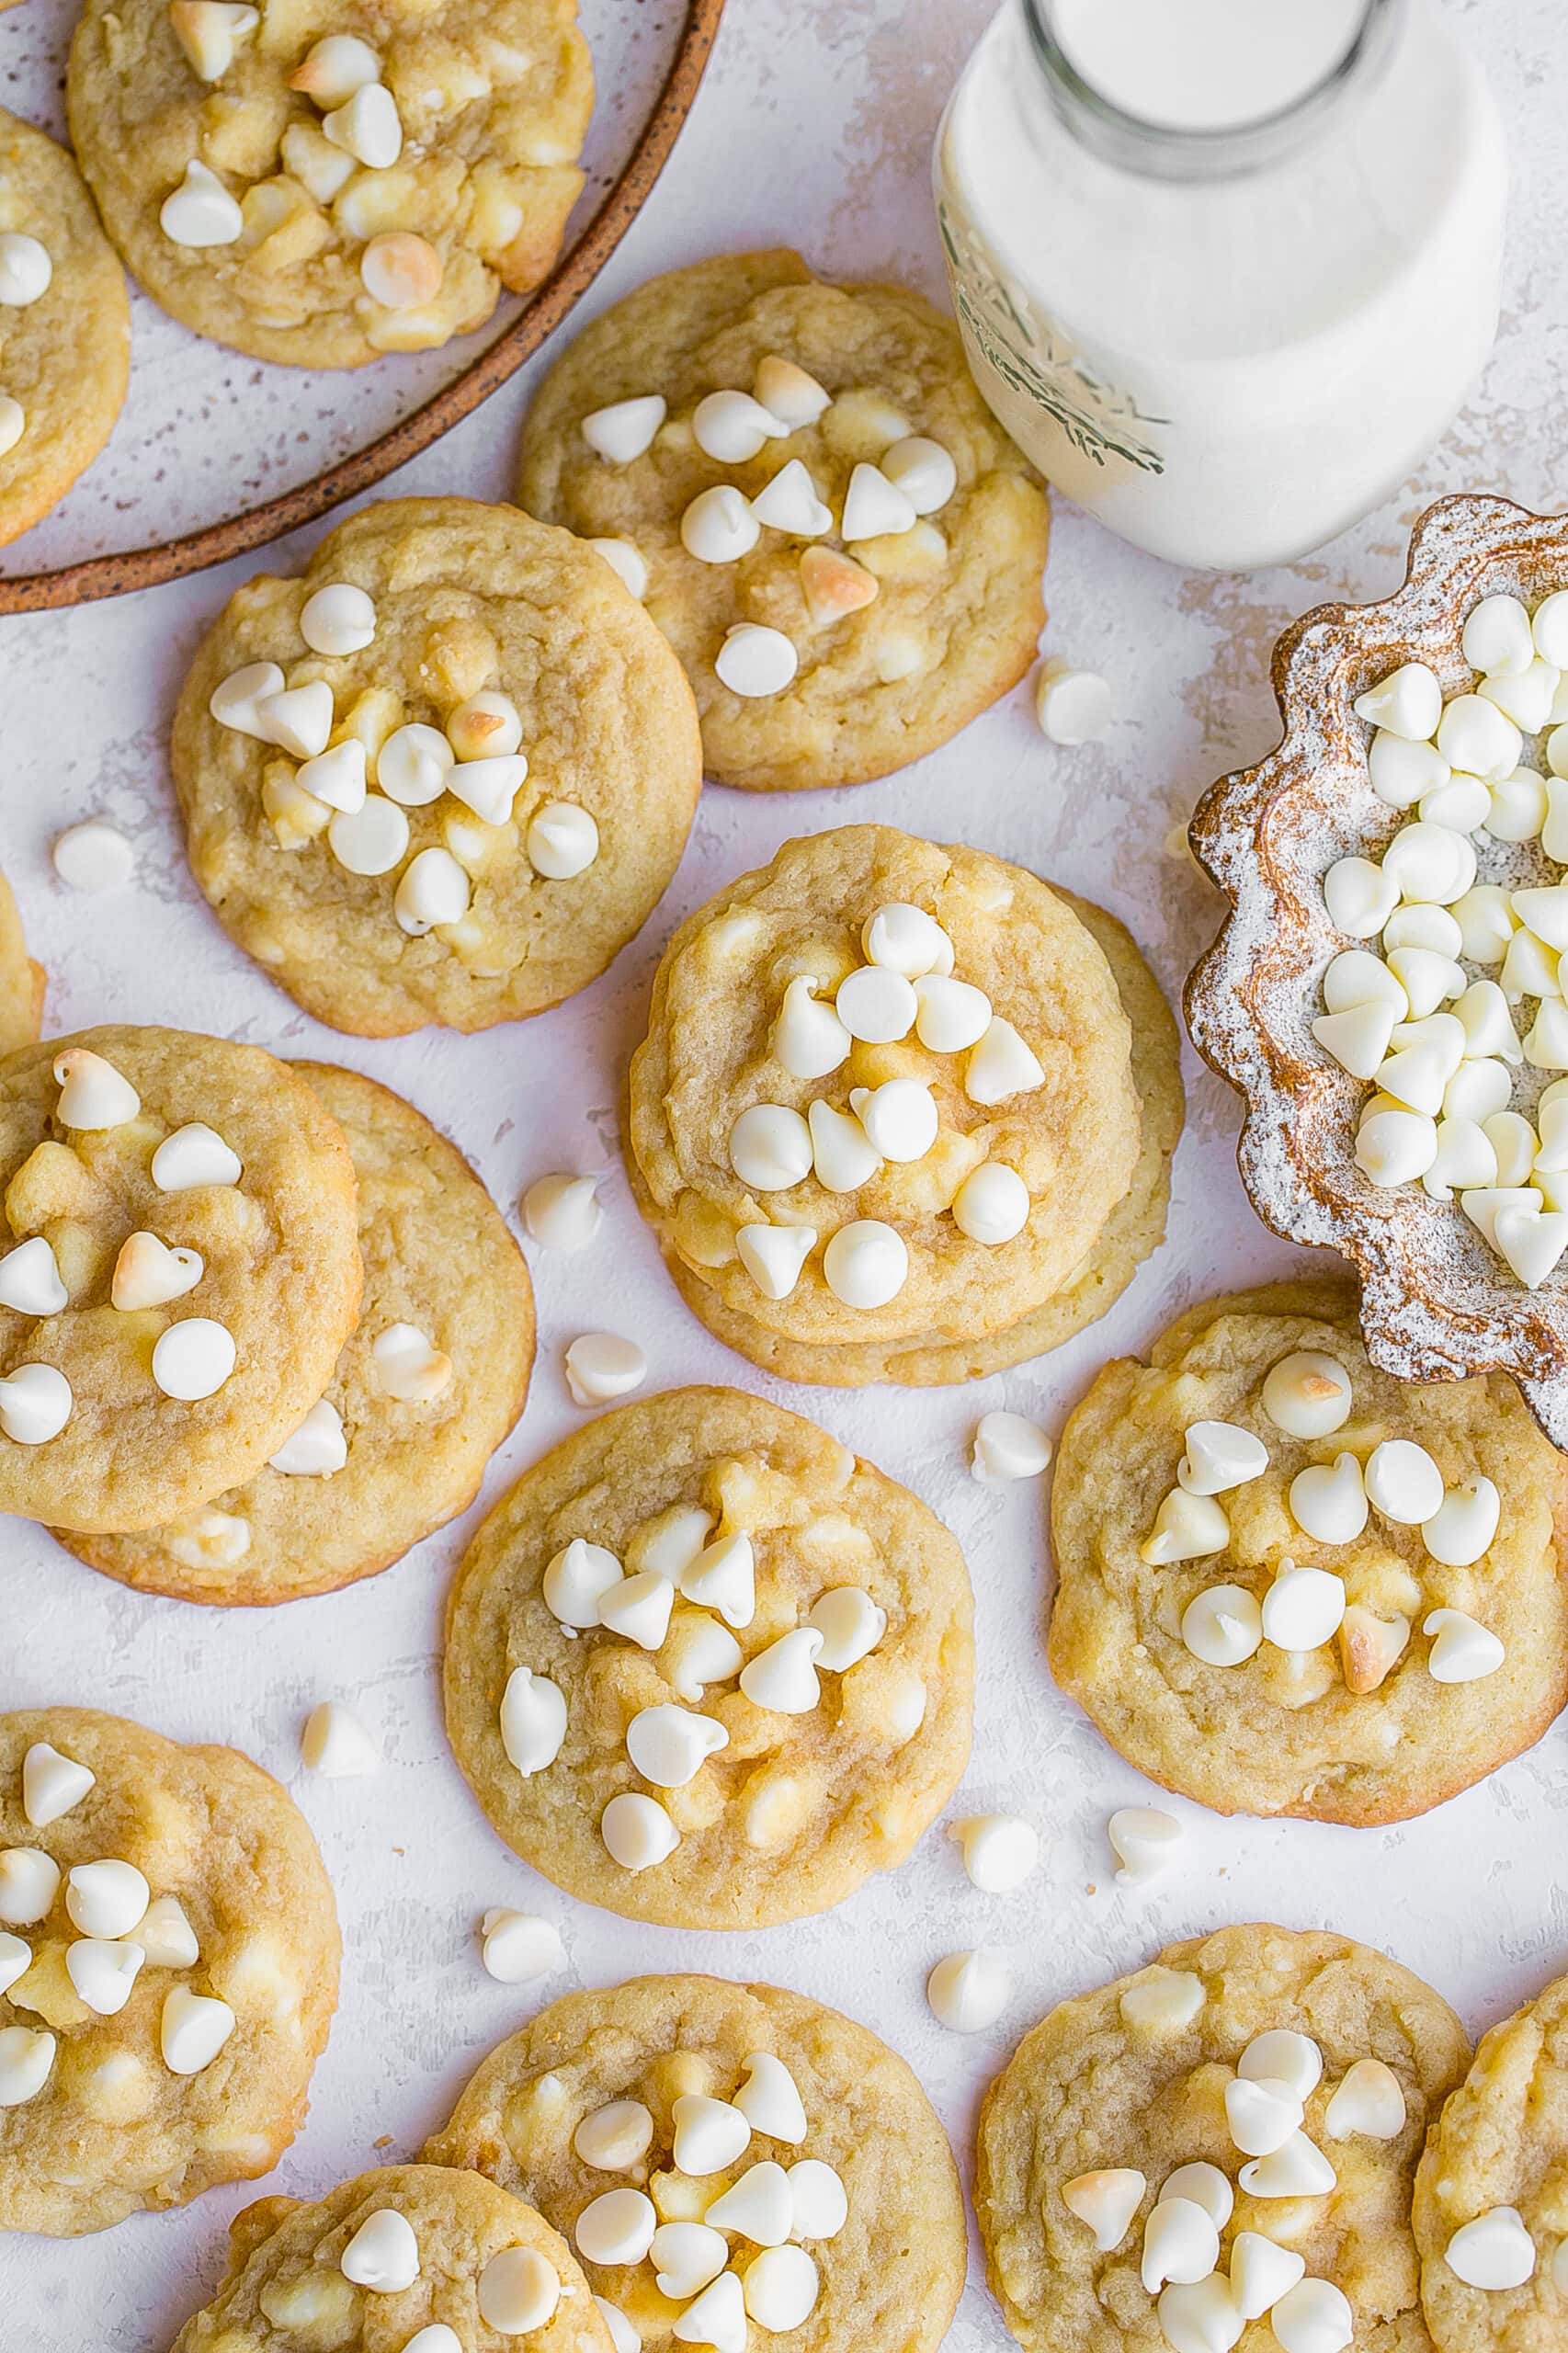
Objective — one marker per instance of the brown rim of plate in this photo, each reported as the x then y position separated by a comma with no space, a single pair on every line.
149,567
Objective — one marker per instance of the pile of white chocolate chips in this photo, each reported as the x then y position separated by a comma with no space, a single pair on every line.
1307,1395
1428,1018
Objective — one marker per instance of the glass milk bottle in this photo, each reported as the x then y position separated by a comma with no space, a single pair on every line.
1224,269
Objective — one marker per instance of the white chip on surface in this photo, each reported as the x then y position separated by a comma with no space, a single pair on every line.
93,856
337,1743
519,1946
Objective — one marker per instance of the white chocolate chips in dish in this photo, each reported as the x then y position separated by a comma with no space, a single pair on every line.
1452,1012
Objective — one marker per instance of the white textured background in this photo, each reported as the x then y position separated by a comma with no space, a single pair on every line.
815,125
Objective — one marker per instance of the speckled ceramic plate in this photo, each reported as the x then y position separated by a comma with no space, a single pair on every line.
216,453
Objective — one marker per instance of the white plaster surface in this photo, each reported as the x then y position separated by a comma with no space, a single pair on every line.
815,125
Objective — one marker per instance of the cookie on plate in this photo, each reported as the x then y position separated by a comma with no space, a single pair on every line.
65,327
1491,2214
706,1668
440,777
22,982
427,1388
735,2164
1219,2150
322,187
825,519
903,1112
1288,1583
422,2258
169,1961
180,1268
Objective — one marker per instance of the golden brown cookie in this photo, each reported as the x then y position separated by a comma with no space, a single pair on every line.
706,1668
65,327
22,981
1175,1613
1491,2213
427,1388
850,575
321,186
404,2257
1034,1117
840,2226
168,1951
462,810
181,1268
1119,2207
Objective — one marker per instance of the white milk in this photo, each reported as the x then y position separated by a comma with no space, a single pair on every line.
1224,269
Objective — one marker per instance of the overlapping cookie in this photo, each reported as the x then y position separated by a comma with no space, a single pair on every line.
443,776
427,1388
168,1970
1290,1583
322,187
180,1267
736,2167
903,1112
65,327
822,516
705,1668
1219,2151
421,2258
22,981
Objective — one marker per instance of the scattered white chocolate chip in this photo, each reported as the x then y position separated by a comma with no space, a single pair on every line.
408,1367
1313,2317
731,426
1222,1626
952,1015
614,2138
969,1991
15,1960
1187,1528
561,1212
30,1280
1219,1456
1298,2169
686,2256
781,2288
93,856
639,1607
670,1745
783,1677
900,1121
195,1154
562,840
192,1359
922,469
600,1367
336,1743
432,890
367,127
1180,2244
166,1937
533,1720
519,2291
723,1577
1462,1651
26,269
1007,1447
876,1005
25,2059
1404,1482
1261,2116
770,1148
12,425
1494,2251
718,525
414,764
103,1973
1163,2000
791,504
716,2318
296,718
334,68
1072,706
1106,2201
1408,702
35,1403
52,1784
1329,1500
866,1264
637,1832
29,1881
384,2254
623,2337
1144,1842
903,939
489,786
1001,1065
318,1447
627,561
808,1039
192,2030
576,1581
1370,2100
788,393
200,212
1261,2272
992,1205
769,2099
371,839
820,2202
710,2134
774,1255
625,429
873,506
1303,1608
850,1625
1282,2056
106,1898
757,2206
93,1094
1000,1851
401,272
843,1156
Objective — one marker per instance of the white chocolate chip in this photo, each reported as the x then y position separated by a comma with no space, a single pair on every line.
1369,2100
15,1960
1282,2056
93,856
1298,2169
367,127
600,1367
25,2059
1462,1651
1180,2244
1404,771
1219,1456
1494,2251
717,2319
905,939
1313,2317
1360,896
757,2206
754,660
781,2288
29,1881
730,427
412,766
617,2227
1431,863
30,1280
1464,1525
1358,977
770,1148
519,2291
866,1264
625,429
336,1743
1329,1502
614,2138
670,1745
952,1016
769,2099
711,2134
1497,637
1007,1447
1199,2315
384,2254
192,2030
1144,1843
336,778
370,839
35,1403
92,1094
1402,1482
820,2202
851,1625
1206,2186
103,1973
1222,1626
808,1038
408,1367
1395,1147
166,1937
401,272
489,786
1261,2272
194,1358
433,890
1187,1528
899,1119
1002,1065
774,1255
718,525
992,1205
687,2255
1358,1038
873,505
1106,2201
200,212
1262,2116
561,1212
637,1832
106,1898
1474,735
723,1577
338,618
1163,2000
318,1447
639,1607
533,1720
1408,702
627,561
969,1991
334,68
576,1580
195,1154
1303,1608
842,1155
487,727
788,393
783,1677
1000,1851
834,586
26,269
52,1784
298,719
791,504
1072,706
922,469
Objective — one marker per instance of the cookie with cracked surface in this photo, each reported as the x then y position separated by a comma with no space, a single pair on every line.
320,187
428,1384
169,1955
181,1267
1119,2090
1179,1658
1494,2168
751,1651
865,2241
398,2255
1028,1120
22,981
875,524
65,327
443,776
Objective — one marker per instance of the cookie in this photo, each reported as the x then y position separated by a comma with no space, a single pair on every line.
415,2257
833,2218
65,327
168,1955
892,1121
427,1388
442,777
825,519
707,1668
181,1267
22,982
1288,1583
1219,2150
323,187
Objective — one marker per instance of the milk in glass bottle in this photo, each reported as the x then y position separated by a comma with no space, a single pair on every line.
1224,269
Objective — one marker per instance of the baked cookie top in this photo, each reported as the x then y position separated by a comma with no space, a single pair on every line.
22,982
827,522
735,2164
442,776
707,1668
65,327
322,185
1290,1583
1491,2214
169,1961
885,1104
181,1267
1219,2150
419,2258
429,1382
